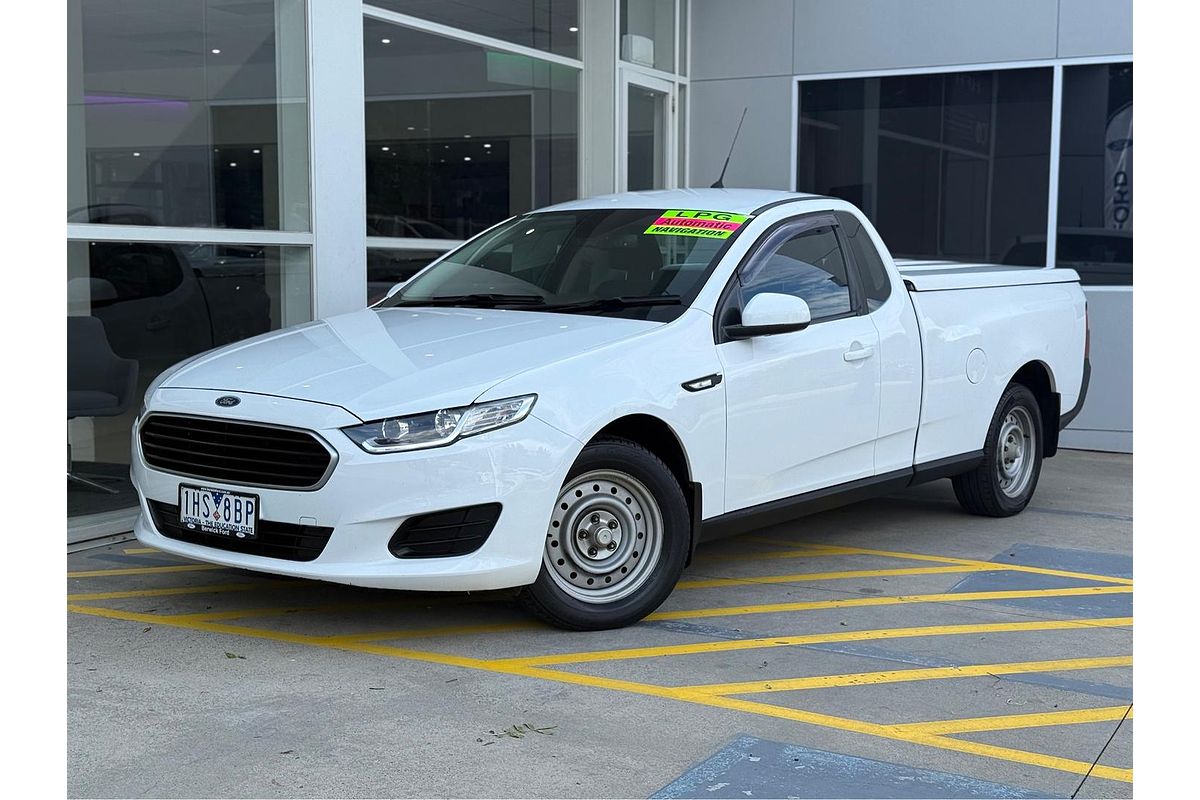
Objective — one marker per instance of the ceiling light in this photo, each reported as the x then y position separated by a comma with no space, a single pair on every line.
410,128
385,41
233,163
573,29
257,151
137,155
216,51
385,148
487,147
466,136
466,158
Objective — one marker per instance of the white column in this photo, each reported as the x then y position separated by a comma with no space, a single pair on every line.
338,156
598,98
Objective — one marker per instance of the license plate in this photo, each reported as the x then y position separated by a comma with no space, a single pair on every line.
219,512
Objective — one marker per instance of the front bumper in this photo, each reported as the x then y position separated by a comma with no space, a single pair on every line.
367,497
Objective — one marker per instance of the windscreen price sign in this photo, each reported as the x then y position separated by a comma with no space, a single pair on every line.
706,224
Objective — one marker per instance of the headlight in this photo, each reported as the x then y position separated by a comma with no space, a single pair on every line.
438,428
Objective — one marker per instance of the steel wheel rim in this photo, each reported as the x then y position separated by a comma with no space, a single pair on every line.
1015,452
605,537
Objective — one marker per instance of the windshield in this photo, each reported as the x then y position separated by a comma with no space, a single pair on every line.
641,263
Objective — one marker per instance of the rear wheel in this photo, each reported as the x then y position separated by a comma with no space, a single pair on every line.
617,540
1012,459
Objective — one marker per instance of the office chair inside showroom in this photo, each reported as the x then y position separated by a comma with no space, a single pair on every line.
99,382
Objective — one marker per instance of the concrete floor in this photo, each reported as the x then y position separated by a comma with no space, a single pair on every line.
1015,635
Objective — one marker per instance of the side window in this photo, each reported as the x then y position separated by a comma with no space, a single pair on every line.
875,281
810,266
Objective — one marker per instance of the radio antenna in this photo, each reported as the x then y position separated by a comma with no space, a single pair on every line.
720,184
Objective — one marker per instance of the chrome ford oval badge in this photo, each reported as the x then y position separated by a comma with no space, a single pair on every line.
228,401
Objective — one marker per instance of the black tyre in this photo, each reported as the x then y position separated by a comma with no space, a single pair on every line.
1012,459
617,541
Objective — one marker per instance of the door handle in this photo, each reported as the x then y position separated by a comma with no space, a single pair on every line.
857,352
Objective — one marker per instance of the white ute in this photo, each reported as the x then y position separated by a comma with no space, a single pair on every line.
573,399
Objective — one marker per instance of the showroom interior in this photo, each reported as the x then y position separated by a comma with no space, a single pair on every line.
240,166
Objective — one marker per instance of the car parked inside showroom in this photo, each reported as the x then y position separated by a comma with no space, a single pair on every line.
572,400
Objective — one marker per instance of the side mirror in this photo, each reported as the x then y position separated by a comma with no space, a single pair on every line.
770,313
397,287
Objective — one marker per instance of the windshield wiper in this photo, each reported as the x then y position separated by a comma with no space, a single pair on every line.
617,303
483,300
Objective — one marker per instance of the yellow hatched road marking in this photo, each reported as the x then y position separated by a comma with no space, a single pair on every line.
808,550
208,588
727,645
104,573
709,583
906,675
1010,722
858,602
764,709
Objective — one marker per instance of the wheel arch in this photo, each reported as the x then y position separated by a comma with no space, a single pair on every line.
657,436
1037,377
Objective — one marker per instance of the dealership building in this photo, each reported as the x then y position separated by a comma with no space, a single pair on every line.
238,166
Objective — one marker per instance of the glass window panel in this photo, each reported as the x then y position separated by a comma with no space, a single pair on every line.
1095,178
188,114
157,304
648,33
460,137
387,267
948,166
809,266
551,25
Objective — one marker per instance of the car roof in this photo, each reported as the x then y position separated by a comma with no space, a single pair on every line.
736,201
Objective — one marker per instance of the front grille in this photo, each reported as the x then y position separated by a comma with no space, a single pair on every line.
445,533
274,539
234,452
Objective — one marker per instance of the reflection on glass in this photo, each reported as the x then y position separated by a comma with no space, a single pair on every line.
157,304
386,268
1095,178
551,25
648,33
950,166
460,137
193,114
646,138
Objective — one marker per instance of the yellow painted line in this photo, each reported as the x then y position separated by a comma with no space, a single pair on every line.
710,583
1010,722
727,645
860,602
448,630
906,675
140,551
105,573
812,549
764,709
209,588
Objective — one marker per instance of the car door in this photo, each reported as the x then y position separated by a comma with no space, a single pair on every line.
803,407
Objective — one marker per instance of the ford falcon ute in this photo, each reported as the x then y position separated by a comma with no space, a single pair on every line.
568,403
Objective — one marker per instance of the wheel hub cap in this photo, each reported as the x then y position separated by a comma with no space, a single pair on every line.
1014,452
605,536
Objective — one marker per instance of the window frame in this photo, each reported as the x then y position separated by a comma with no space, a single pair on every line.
860,268
769,240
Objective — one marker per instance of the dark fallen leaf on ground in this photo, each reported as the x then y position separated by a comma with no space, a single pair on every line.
233,655
286,752
146,629
375,688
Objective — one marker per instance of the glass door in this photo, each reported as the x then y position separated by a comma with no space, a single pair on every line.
647,140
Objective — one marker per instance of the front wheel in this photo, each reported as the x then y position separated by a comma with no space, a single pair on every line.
1012,459
617,541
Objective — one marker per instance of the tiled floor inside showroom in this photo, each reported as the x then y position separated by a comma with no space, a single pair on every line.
896,648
